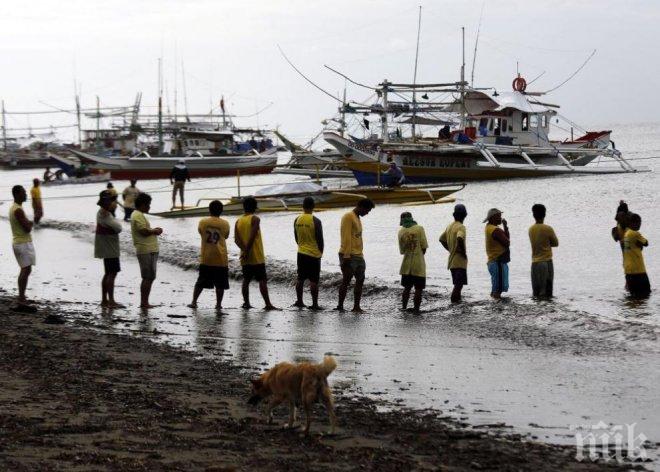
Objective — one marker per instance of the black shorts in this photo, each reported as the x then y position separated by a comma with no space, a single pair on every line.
213,276
459,276
413,281
309,268
111,265
638,285
254,272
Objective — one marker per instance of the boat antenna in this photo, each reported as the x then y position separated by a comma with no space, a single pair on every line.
463,121
175,78
348,78
185,91
305,77
414,94
160,106
476,44
593,53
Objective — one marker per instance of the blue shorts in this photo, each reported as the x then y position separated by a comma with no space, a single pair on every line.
499,276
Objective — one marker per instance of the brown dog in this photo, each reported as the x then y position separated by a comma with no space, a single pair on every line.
299,384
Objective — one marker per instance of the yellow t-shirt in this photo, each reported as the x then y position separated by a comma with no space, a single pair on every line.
20,236
143,244
306,235
35,193
243,228
633,260
450,237
412,242
543,239
214,232
351,235
494,248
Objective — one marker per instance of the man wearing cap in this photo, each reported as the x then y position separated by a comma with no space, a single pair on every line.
497,250
106,246
178,178
453,240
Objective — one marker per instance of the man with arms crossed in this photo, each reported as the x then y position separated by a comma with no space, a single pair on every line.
543,239
308,232
37,205
21,240
247,235
145,240
213,261
351,259
497,249
129,195
453,240
106,247
178,178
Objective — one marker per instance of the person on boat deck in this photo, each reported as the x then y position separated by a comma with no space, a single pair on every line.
483,129
37,205
453,240
637,281
308,233
213,262
497,250
178,178
395,174
542,238
444,133
621,218
247,235
351,258
129,195
21,240
145,240
48,175
106,247
413,246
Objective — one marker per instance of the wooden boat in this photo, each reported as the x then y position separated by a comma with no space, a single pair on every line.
326,199
90,179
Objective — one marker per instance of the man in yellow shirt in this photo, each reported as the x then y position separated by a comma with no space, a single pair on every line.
247,235
21,240
213,261
308,233
453,240
497,250
351,259
542,238
145,240
129,195
37,205
637,280
413,246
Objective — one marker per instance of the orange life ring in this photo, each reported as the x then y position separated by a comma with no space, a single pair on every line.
519,84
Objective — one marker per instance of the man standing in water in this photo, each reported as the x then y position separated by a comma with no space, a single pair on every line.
145,240
497,249
178,178
213,261
351,259
106,247
129,195
308,233
22,240
637,280
543,239
453,240
413,246
37,206
247,235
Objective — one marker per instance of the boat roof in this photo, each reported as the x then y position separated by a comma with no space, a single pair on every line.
295,187
478,102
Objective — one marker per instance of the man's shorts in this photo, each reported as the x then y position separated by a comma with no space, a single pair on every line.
25,255
409,281
499,276
309,268
638,285
148,263
179,185
213,276
459,276
254,272
355,267
111,265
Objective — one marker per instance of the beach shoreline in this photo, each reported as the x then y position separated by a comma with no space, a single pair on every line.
82,399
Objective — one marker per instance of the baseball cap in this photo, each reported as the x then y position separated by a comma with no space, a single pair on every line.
106,196
492,212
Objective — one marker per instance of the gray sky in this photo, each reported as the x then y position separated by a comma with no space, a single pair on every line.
230,48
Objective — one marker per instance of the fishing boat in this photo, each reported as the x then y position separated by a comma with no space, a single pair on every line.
325,163
289,198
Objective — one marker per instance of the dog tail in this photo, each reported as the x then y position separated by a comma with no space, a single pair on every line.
327,366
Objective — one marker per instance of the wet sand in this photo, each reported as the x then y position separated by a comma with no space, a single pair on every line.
78,399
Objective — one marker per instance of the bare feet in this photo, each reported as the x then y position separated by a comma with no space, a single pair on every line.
299,304
104,303
316,308
246,305
192,305
147,306
357,309
339,308
271,307
114,304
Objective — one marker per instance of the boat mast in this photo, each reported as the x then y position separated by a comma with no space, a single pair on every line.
160,107
4,127
383,119
78,121
98,123
342,124
414,93
463,114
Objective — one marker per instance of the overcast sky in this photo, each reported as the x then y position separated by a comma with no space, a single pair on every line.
230,48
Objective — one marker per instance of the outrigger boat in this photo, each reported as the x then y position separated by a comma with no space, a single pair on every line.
289,198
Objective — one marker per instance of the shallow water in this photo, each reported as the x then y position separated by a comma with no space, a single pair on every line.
587,356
